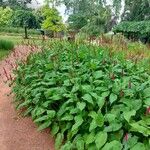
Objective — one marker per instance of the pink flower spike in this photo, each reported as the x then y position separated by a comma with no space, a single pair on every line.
126,137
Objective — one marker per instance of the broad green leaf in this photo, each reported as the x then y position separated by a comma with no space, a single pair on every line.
99,120
100,139
136,127
44,125
54,129
98,74
114,145
138,146
129,114
67,146
58,141
93,125
88,98
80,144
43,118
105,94
146,92
147,101
81,105
93,114
90,138
67,117
78,122
110,117
86,88
112,98
100,102
51,113
113,127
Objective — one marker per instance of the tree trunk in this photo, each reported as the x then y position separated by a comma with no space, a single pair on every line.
26,33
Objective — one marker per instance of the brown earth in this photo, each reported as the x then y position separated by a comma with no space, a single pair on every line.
17,133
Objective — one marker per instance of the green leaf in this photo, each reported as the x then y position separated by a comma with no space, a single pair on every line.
98,74
43,118
54,129
113,145
44,125
136,127
147,101
138,146
93,125
78,122
67,117
58,141
88,98
105,94
146,92
112,98
129,114
99,120
51,113
100,102
81,105
100,139
67,146
90,138
80,144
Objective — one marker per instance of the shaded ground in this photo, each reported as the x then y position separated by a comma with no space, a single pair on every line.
17,133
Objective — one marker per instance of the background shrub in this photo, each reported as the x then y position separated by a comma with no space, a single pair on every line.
88,98
6,45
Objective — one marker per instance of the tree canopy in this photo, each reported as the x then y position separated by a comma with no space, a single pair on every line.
5,15
52,20
24,18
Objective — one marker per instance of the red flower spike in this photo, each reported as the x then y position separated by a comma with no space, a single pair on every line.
148,111
126,137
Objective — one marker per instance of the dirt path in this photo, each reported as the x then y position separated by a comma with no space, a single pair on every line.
17,133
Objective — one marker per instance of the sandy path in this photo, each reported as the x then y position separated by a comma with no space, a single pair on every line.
17,133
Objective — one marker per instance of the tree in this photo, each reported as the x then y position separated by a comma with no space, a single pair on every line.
15,4
5,16
52,19
136,10
25,19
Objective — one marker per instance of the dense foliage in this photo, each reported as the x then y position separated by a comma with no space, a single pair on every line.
136,10
88,98
137,30
24,18
142,27
6,45
5,16
52,20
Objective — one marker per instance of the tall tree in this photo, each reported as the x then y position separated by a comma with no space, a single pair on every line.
136,10
25,19
5,16
52,20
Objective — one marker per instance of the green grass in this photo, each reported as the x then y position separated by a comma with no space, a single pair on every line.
3,53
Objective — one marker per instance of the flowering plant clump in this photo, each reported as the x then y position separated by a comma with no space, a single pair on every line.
87,97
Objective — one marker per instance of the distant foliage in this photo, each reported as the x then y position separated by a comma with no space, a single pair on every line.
6,44
88,98
24,18
52,20
141,27
5,16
